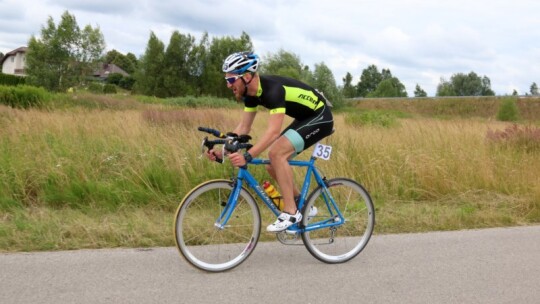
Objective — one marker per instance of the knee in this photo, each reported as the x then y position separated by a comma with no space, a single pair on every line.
276,155
269,169
273,156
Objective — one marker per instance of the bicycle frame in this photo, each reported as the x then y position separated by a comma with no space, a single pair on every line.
244,176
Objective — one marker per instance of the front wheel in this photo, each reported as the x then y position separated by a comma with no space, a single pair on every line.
343,241
202,240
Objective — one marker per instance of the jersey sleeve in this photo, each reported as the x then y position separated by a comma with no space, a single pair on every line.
276,100
250,105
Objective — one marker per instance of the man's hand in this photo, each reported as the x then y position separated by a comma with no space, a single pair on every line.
214,154
237,159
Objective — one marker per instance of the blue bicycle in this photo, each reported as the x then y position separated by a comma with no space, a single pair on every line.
218,223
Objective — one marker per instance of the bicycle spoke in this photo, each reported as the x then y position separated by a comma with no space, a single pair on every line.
203,244
344,241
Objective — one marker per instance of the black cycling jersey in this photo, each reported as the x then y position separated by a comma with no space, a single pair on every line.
286,95
313,120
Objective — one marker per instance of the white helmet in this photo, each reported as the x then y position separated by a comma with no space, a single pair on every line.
241,62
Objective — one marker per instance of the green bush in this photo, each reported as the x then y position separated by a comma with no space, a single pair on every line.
109,89
95,87
100,88
23,96
115,78
508,110
127,82
11,80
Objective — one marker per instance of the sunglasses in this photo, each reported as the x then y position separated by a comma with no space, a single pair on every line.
232,79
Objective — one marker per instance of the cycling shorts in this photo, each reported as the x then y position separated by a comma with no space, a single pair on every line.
305,133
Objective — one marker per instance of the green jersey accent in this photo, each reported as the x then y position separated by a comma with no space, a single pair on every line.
303,97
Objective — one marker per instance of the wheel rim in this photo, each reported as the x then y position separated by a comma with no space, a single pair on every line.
344,242
211,248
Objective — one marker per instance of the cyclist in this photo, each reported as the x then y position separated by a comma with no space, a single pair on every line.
282,96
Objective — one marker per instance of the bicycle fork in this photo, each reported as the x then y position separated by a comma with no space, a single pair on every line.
229,207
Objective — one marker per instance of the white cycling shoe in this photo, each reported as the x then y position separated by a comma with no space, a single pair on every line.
284,221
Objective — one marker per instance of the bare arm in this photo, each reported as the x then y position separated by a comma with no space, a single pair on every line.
270,135
244,127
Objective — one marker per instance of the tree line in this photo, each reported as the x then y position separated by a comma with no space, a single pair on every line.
65,55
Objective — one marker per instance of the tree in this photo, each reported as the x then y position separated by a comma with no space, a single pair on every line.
348,91
486,87
534,89
186,67
149,76
390,87
465,85
419,92
386,74
307,76
285,64
515,93
197,64
134,62
324,81
176,70
63,56
369,80
125,62
217,51
111,56
445,88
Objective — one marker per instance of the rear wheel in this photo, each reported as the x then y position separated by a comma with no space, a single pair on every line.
204,243
340,243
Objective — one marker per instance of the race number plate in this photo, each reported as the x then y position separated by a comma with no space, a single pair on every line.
322,151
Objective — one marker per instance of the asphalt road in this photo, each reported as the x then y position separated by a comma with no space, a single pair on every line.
476,266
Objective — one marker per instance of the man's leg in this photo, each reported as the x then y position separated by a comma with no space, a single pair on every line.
281,150
272,172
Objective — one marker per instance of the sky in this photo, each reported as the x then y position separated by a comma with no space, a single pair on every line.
420,41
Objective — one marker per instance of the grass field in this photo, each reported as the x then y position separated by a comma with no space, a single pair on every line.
112,176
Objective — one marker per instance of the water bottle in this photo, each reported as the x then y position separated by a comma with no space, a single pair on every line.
273,194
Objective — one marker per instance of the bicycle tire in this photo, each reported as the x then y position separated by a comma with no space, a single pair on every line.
204,245
350,238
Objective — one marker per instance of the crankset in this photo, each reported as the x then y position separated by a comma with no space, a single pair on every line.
288,238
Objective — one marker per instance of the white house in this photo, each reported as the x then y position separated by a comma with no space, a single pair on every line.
14,62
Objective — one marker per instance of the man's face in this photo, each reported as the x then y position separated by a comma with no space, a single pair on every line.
235,84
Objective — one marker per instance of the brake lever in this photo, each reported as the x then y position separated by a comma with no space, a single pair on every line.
203,145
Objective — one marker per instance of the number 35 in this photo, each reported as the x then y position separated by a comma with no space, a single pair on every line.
322,151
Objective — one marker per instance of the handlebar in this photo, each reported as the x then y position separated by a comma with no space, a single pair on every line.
231,141
214,132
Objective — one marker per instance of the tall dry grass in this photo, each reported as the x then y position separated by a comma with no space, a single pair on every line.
429,166
449,107
105,178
